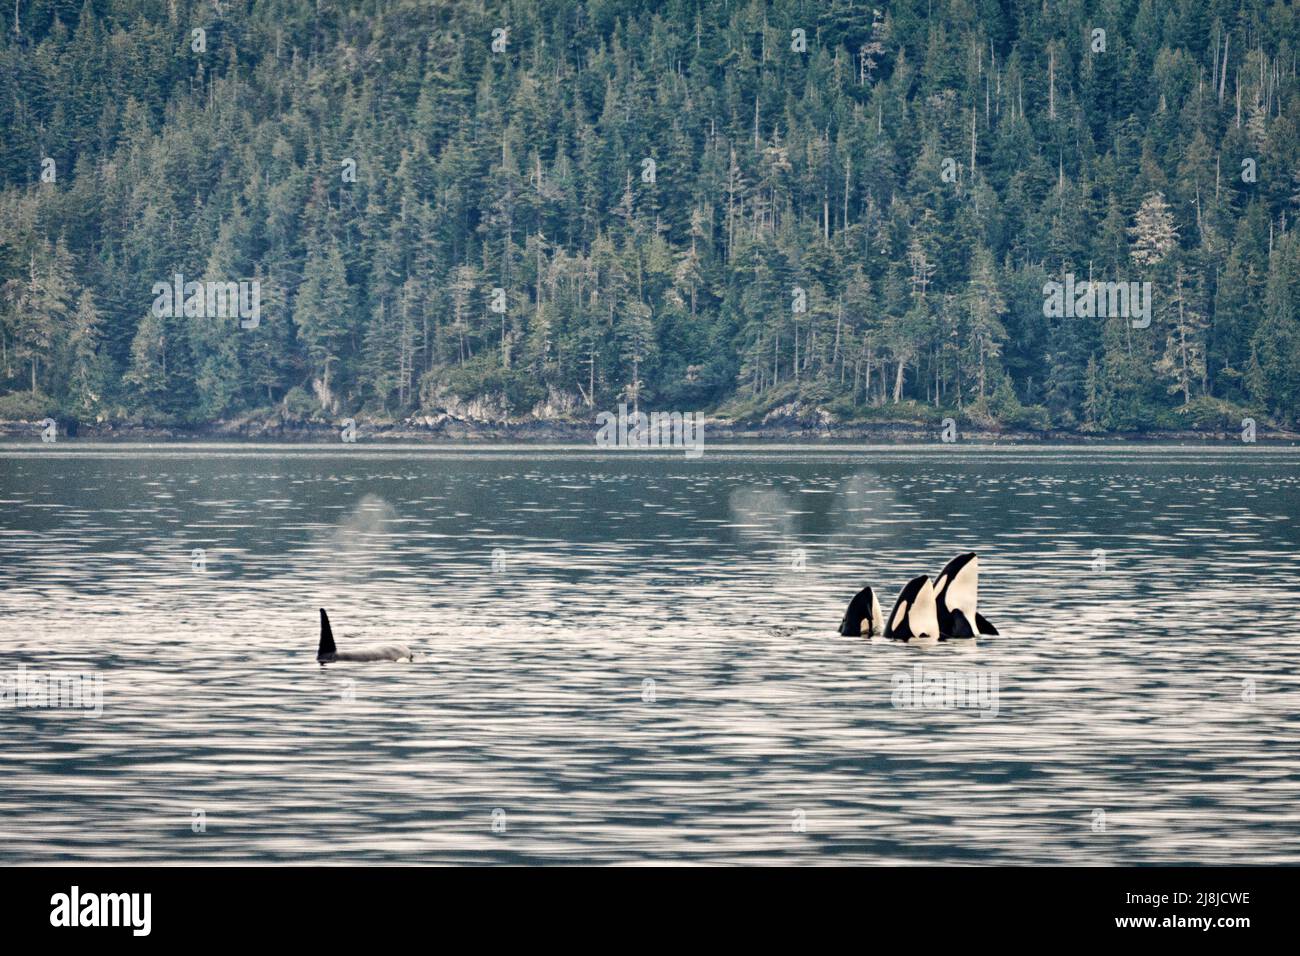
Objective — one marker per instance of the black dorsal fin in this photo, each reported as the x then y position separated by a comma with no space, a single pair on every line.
326,636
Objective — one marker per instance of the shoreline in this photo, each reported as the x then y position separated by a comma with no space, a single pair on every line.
444,429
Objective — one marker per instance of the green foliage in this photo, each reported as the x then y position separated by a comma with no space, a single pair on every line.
1214,413
300,406
512,391
26,407
919,172
1005,408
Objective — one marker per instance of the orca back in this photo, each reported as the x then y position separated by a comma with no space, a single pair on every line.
327,653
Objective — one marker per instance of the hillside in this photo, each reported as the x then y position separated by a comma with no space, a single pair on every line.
843,209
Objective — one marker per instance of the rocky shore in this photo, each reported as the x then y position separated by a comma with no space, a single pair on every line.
814,427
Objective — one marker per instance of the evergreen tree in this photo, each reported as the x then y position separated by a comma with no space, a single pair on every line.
920,172
322,313
87,374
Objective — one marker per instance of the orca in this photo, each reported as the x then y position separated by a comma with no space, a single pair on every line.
956,593
915,613
863,619
328,653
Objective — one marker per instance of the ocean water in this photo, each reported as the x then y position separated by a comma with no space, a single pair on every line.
628,657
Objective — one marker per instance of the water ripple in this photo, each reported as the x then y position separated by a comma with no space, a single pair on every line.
630,658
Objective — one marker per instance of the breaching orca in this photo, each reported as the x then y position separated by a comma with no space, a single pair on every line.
915,613
863,619
956,592
328,653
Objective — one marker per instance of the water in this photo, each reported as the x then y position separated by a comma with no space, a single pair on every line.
1145,712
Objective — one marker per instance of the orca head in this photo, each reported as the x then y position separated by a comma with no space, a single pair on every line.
957,598
862,619
956,590
325,653
914,613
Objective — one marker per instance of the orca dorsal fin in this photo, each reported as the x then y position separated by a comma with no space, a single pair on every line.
983,626
326,637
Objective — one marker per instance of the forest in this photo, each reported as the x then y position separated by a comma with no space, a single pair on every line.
539,209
